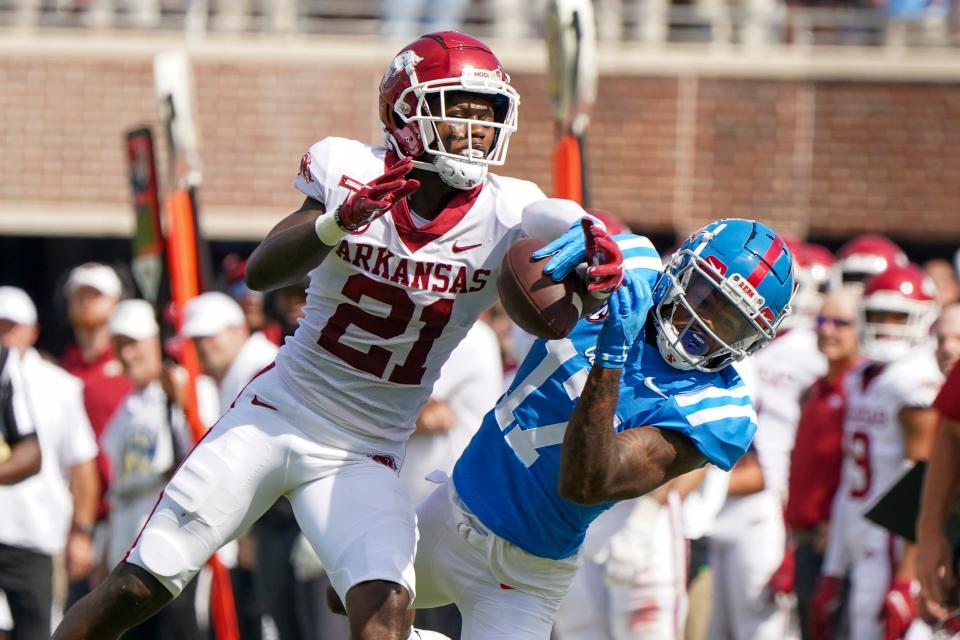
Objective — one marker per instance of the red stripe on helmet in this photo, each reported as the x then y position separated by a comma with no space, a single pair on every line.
768,259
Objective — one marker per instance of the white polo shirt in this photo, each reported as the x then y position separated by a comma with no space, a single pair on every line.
257,352
37,511
470,383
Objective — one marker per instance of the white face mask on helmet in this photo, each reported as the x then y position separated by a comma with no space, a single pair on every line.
427,72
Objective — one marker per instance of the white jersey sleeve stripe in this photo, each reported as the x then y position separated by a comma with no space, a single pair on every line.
558,352
716,414
643,262
636,242
687,399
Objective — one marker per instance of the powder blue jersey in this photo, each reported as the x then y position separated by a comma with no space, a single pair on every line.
507,476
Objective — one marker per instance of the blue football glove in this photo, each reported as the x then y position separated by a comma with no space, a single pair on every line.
626,314
585,242
568,251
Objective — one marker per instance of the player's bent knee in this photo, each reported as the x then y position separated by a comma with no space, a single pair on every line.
173,546
134,588
378,609
334,603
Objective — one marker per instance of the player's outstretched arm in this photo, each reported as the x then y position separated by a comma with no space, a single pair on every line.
290,251
597,464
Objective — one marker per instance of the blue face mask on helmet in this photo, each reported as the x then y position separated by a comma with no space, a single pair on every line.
722,295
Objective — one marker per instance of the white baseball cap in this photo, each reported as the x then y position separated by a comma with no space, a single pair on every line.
16,306
134,319
210,313
93,274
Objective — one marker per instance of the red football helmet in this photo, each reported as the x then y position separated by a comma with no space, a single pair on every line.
812,271
866,256
432,66
897,311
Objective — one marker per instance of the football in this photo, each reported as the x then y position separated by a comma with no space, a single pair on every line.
538,305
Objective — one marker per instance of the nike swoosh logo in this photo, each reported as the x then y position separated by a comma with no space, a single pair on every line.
648,383
260,403
466,247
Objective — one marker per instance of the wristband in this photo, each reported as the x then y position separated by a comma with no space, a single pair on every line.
85,529
611,359
329,232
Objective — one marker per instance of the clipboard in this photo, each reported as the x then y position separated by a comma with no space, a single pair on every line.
897,509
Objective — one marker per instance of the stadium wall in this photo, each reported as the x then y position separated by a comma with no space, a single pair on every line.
825,143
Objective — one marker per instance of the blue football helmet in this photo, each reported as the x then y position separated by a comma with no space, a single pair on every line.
723,294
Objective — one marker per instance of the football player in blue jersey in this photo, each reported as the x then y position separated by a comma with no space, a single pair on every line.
639,393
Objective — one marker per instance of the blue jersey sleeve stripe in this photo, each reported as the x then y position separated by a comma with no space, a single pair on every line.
688,399
720,414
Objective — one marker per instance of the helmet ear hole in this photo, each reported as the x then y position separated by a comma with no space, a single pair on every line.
500,107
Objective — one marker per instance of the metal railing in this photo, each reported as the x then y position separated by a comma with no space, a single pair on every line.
747,23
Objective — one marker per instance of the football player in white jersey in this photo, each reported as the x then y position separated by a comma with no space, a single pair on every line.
402,244
888,422
745,556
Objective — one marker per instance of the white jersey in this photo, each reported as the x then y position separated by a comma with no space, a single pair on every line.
255,354
387,306
785,370
37,510
873,442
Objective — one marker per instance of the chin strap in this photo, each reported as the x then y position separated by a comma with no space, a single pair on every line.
458,174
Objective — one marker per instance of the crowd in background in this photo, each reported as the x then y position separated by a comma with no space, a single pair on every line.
722,22
774,549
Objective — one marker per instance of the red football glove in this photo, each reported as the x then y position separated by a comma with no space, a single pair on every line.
376,198
783,578
898,611
604,259
824,606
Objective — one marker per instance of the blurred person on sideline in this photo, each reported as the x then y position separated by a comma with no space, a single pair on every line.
739,567
749,538
945,278
936,555
228,351
144,440
92,291
863,257
817,453
54,511
252,302
286,305
25,575
404,19
889,421
947,332
632,583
